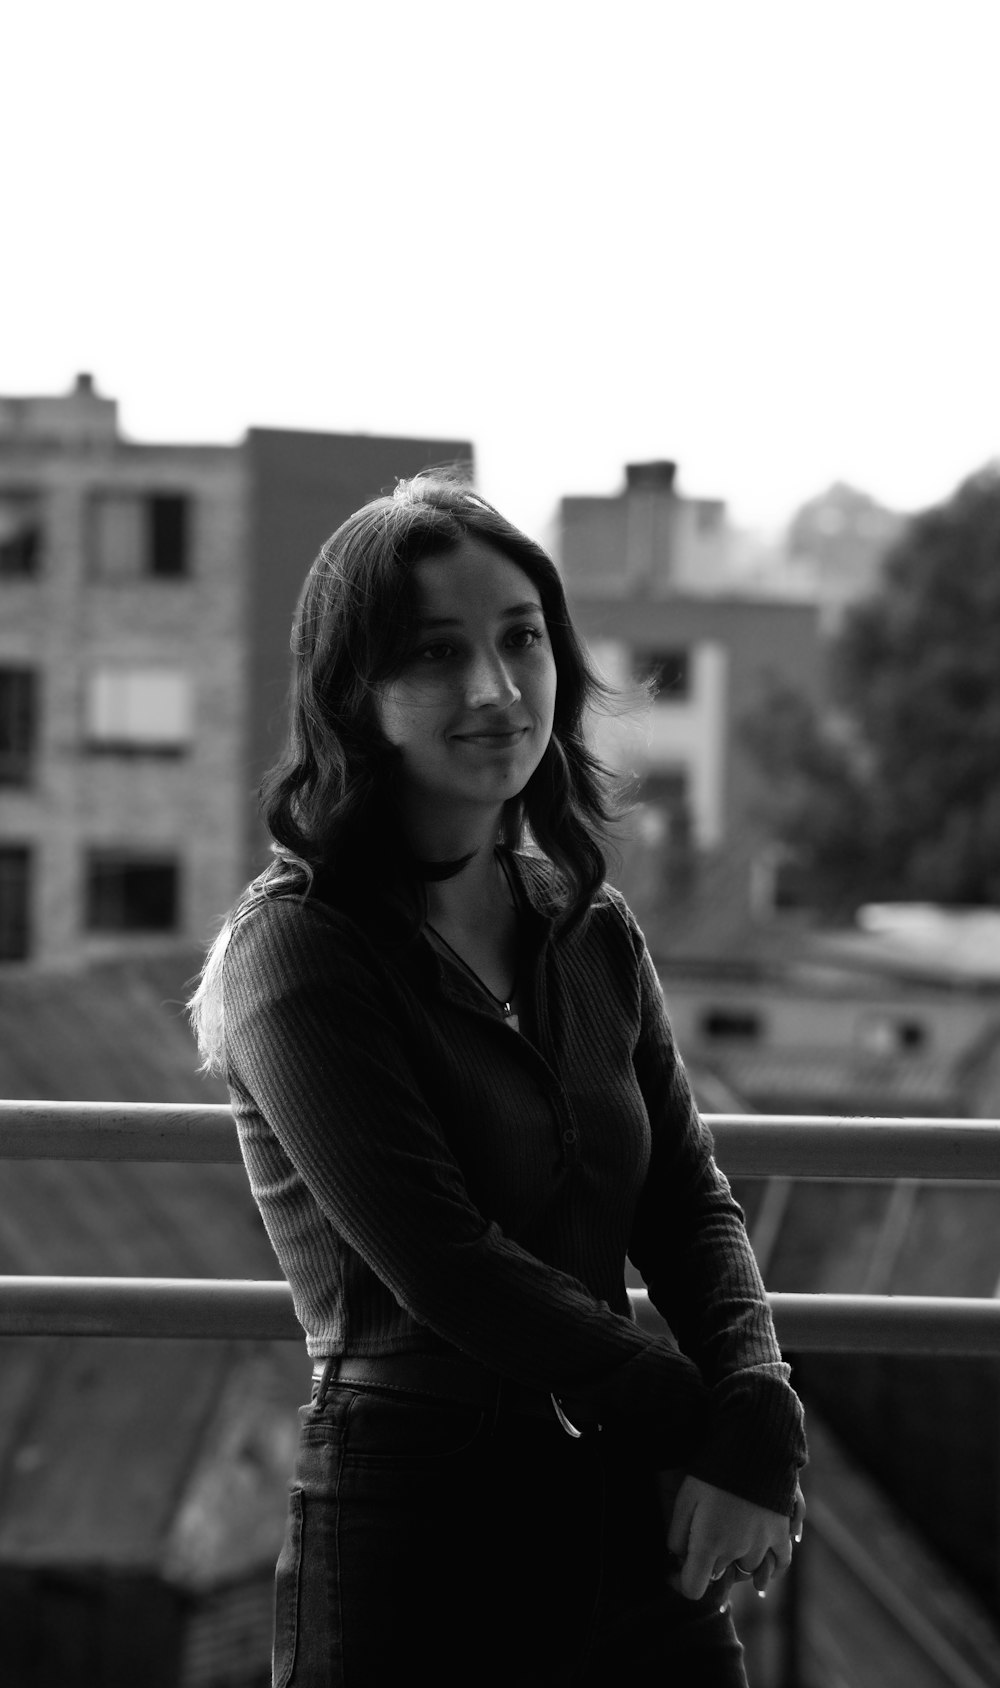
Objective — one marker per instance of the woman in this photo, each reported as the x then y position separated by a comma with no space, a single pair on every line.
460,1107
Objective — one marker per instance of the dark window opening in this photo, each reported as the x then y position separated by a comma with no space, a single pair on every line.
139,535
15,887
167,518
666,787
18,711
131,894
670,673
887,1035
128,750
731,1022
665,795
912,1035
792,886
20,534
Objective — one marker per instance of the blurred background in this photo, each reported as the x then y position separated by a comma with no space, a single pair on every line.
705,300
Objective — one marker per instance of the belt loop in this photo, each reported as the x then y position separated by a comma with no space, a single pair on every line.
327,1376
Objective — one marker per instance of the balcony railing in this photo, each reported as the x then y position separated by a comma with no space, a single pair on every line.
748,1146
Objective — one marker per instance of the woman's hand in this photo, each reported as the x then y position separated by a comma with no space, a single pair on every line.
715,1536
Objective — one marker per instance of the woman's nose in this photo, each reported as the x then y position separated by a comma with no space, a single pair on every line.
489,682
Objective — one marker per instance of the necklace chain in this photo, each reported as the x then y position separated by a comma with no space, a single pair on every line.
501,1002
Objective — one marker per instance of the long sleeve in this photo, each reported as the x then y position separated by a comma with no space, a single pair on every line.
335,1120
690,1245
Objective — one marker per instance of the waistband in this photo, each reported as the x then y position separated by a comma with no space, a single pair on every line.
444,1378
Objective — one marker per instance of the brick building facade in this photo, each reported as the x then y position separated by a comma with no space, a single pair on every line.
146,594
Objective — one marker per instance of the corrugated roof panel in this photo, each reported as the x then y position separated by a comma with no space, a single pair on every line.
113,1434
839,1084
113,1033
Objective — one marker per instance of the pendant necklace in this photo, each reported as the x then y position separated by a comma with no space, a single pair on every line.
506,1008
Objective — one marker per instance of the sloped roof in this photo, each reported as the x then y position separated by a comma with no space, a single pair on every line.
923,941
115,1032
167,1456
854,1082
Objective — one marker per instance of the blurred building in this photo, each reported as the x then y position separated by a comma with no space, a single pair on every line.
650,579
830,554
806,1033
146,595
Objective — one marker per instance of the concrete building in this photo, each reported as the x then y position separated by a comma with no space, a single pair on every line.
146,594
649,582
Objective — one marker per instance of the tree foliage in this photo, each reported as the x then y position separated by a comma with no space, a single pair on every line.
896,796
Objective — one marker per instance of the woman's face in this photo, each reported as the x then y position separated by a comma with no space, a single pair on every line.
471,709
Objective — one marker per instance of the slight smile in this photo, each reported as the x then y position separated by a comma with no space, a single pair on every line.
492,741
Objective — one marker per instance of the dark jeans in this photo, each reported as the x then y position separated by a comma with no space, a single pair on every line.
447,1543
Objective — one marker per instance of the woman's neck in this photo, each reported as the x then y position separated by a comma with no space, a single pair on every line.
473,898
475,895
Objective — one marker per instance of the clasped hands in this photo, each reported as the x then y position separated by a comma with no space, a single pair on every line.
714,1538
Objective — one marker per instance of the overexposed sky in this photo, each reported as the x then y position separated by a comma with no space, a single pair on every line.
761,237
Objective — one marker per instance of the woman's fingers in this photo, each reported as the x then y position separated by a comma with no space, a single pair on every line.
764,1572
715,1539
721,1587
700,1560
677,1501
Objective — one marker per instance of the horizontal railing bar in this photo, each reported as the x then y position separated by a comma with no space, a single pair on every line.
219,1308
877,1324
129,1131
748,1145
234,1308
821,1147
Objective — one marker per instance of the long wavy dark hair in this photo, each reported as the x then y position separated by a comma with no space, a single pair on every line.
328,802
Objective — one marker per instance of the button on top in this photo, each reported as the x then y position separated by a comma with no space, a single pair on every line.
569,1136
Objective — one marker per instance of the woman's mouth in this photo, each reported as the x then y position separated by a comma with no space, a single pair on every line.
493,740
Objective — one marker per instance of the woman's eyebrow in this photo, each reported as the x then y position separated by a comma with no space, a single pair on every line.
425,622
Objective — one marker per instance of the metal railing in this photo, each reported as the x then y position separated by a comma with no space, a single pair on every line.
748,1146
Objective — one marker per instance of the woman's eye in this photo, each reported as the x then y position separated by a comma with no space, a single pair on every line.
438,652
522,638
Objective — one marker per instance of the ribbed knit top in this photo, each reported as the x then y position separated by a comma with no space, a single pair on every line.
429,1177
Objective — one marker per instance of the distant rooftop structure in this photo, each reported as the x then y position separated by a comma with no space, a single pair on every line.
648,539
79,415
922,941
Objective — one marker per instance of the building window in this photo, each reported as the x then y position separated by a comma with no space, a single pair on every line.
669,671
18,721
138,711
128,892
742,1024
133,535
890,1034
15,884
20,533
167,534
665,807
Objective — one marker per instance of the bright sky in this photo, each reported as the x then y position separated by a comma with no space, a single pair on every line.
759,236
